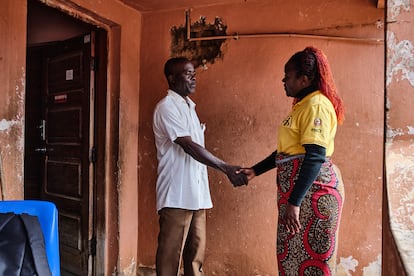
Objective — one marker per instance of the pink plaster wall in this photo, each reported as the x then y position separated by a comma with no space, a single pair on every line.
400,134
241,99
12,81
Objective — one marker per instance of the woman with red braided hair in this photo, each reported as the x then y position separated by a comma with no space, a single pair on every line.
310,190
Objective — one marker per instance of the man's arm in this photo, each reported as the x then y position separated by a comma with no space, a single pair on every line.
202,155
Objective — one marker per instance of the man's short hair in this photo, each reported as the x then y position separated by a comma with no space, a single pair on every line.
169,66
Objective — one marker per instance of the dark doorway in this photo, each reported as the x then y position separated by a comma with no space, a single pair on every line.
65,120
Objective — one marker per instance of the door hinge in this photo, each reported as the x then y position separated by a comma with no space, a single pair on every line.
92,246
92,157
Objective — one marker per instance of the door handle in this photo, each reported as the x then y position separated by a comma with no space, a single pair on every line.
42,150
42,128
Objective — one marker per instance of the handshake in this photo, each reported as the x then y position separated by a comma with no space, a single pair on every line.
237,175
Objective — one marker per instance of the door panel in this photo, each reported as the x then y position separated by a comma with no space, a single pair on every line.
65,147
67,116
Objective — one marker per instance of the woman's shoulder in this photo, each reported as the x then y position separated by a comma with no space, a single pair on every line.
317,98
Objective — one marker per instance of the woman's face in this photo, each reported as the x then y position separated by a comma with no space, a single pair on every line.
292,83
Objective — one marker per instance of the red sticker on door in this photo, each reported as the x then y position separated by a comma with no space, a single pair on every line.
61,98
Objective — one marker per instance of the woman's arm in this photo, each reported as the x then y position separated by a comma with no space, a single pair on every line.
266,164
314,158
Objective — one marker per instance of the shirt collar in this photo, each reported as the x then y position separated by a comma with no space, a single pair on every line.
306,98
305,91
178,98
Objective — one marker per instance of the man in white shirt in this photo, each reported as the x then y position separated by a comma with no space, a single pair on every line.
183,192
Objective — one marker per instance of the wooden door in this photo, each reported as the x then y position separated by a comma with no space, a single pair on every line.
66,147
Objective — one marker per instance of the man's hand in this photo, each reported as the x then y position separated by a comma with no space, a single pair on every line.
202,155
236,178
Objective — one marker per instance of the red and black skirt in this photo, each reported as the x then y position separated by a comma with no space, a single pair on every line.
313,250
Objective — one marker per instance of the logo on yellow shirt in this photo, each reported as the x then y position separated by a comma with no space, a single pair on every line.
317,122
287,122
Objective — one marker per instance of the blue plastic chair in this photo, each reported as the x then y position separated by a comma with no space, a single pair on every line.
48,218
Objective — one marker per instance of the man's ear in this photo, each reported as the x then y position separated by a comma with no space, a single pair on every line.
170,79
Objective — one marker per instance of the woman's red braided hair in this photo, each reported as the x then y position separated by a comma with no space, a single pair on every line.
325,82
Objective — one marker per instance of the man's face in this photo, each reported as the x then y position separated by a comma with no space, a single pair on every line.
184,81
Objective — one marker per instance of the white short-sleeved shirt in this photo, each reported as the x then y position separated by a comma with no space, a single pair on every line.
182,181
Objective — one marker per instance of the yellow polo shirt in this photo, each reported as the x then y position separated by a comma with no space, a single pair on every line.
311,121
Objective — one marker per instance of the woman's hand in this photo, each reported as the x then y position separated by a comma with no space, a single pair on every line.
249,172
291,218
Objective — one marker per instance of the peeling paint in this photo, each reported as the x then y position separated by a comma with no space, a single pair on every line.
346,265
21,88
399,154
400,176
374,268
392,133
199,53
405,242
401,59
6,125
395,7
130,270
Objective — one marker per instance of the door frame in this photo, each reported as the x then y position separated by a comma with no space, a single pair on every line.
107,91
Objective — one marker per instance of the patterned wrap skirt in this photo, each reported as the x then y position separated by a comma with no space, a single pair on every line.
313,250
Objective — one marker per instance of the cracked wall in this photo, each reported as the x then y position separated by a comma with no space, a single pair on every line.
199,52
400,135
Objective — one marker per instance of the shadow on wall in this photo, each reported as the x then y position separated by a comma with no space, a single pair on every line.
200,52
